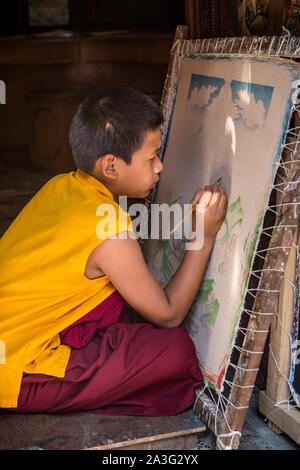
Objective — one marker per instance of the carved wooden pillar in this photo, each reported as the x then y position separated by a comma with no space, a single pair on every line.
211,18
221,18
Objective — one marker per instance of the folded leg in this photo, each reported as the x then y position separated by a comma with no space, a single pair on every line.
133,369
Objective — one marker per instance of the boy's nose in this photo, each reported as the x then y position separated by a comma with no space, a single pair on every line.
159,166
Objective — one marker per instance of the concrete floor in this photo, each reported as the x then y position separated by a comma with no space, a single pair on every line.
17,186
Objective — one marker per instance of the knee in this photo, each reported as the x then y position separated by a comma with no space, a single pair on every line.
182,351
182,341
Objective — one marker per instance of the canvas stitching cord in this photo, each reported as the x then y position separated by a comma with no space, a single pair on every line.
241,349
232,404
279,405
232,433
224,45
289,281
254,312
290,398
283,164
286,31
282,372
284,204
265,270
271,45
243,40
262,290
245,330
216,45
232,384
238,348
260,46
277,226
242,330
281,44
242,368
276,363
208,407
287,46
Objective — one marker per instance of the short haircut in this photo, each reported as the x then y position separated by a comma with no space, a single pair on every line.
112,121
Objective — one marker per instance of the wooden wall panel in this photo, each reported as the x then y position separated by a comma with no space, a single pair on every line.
28,66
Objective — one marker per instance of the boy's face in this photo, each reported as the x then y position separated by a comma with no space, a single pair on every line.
135,180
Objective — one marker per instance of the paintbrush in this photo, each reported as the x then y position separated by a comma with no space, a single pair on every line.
190,211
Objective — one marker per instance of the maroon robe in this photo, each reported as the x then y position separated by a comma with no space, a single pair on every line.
117,367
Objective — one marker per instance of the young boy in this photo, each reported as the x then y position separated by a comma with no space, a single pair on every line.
68,345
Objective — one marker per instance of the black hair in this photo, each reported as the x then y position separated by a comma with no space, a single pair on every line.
111,121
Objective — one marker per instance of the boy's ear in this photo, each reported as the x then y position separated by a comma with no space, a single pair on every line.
108,166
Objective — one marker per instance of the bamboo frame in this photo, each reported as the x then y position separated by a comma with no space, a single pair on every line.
231,421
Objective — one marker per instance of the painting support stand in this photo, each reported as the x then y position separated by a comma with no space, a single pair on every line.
276,402
225,415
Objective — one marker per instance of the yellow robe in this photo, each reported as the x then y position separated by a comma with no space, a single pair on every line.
43,289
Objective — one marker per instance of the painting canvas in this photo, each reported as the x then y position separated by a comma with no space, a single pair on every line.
229,119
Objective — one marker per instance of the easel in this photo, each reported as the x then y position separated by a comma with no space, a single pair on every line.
230,421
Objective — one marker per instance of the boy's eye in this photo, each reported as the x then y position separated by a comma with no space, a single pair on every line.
155,155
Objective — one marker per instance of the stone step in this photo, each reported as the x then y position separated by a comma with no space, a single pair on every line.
90,431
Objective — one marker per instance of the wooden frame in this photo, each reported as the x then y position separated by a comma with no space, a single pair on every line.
231,420
273,402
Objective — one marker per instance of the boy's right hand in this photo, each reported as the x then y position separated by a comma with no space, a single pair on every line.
212,200
122,261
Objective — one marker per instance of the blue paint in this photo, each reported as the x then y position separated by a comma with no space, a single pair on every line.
264,93
200,81
261,92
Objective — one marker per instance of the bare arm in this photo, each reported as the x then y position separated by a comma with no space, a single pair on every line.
122,261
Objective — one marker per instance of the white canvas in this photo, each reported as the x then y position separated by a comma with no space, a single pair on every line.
229,119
